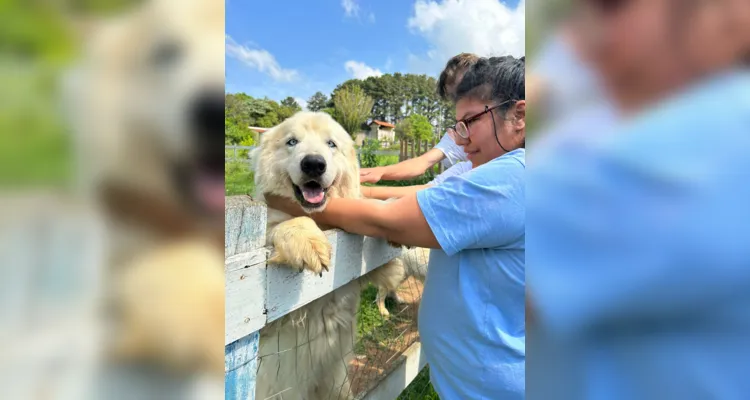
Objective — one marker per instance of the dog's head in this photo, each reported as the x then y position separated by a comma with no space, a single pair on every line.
148,102
308,157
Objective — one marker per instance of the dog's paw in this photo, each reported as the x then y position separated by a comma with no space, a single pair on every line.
175,322
304,251
383,311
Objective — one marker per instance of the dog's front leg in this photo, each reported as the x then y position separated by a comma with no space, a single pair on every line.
299,243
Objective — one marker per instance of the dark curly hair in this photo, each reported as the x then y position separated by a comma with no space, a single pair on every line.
453,68
496,79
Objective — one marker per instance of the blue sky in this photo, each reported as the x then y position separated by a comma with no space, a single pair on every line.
295,47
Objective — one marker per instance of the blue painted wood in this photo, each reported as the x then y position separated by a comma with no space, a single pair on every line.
241,366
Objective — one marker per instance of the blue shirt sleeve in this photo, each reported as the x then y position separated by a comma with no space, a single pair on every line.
482,208
644,224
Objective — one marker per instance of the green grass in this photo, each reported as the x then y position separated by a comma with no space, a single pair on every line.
239,179
372,327
368,316
386,160
420,388
35,145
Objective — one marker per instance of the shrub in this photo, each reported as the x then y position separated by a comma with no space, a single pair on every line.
367,155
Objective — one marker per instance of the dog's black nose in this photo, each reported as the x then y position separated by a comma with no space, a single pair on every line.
207,116
313,165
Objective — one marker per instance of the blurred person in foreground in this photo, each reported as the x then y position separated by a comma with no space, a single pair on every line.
446,151
471,317
559,82
639,283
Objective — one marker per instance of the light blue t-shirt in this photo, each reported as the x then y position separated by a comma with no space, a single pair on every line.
471,319
639,254
455,170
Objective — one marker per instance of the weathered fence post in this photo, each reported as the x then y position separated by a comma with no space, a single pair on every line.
245,259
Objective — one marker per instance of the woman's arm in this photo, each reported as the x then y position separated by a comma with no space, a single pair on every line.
408,169
389,192
400,221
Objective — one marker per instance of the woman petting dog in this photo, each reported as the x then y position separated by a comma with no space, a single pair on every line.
471,318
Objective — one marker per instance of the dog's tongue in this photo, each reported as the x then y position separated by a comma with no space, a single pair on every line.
313,195
211,191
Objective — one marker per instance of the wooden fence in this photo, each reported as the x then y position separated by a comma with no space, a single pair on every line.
407,150
257,295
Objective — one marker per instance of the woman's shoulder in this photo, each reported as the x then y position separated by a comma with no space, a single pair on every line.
506,169
515,158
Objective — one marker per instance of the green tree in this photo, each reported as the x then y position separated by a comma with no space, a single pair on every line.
317,102
352,107
403,130
421,127
367,156
291,103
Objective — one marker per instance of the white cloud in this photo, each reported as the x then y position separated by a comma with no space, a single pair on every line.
388,64
351,8
302,102
260,60
483,27
360,70
371,18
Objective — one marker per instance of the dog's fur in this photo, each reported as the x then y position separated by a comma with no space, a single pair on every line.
146,105
305,355
415,261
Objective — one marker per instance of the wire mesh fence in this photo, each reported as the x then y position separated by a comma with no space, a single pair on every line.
296,353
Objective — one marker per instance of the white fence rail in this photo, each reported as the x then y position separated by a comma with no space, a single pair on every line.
257,295
232,153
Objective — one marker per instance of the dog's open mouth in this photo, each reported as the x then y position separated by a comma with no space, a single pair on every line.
201,182
311,194
209,189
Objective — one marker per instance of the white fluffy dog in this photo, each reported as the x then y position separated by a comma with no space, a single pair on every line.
146,101
305,355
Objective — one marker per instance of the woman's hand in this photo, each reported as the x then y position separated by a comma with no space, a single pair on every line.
284,205
371,175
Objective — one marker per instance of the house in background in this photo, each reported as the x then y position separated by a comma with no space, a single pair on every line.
383,132
258,130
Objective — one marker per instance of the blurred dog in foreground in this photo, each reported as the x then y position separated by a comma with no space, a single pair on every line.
147,107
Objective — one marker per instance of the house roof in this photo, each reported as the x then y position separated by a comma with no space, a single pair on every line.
259,130
381,123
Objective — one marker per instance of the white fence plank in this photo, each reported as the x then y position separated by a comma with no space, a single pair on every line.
245,294
412,361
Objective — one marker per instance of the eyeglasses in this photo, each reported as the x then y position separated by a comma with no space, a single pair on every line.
607,6
461,128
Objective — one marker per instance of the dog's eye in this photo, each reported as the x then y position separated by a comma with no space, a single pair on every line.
292,142
331,144
166,54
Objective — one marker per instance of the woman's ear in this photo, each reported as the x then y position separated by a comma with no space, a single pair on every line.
519,117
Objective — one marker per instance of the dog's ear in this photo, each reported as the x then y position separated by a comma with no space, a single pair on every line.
83,28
